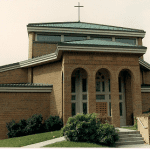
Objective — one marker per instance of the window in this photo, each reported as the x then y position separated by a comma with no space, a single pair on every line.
84,85
126,40
97,86
120,84
102,38
73,38
73,109
73,97
120,106
49,38
73,79
100,97
84,108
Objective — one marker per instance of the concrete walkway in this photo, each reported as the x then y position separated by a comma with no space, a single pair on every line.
41,144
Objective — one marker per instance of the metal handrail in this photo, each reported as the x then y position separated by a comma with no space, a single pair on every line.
141,123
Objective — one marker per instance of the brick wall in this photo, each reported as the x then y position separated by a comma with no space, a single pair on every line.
22,106
146,75
92,62
40,49
145,101
51,74
14,76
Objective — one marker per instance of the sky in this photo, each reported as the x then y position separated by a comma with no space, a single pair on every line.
15,15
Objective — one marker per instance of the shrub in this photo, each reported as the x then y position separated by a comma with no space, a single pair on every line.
106,134
85,128
34,125
16,129
81,127
53,123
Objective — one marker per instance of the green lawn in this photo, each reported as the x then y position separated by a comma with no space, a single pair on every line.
131,128
74,144
29,139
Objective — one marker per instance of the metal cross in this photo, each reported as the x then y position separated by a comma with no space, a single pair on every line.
79,10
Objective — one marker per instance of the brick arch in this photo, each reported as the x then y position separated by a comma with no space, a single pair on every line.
103,67
77,67
128,69
128,93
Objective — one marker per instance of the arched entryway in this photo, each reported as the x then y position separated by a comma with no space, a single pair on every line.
79,91
125,98
103,92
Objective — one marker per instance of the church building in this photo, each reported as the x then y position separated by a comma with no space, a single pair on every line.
77,67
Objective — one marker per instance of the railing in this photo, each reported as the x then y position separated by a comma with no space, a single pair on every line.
141,123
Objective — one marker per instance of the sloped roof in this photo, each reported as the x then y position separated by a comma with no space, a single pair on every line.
98,42
26,85
83,25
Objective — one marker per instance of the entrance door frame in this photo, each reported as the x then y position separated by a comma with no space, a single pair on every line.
122,101
79,94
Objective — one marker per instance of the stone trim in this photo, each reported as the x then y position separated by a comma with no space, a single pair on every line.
103,49
86,31
145,90
26,89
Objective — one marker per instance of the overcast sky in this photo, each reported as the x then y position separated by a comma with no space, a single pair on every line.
16,14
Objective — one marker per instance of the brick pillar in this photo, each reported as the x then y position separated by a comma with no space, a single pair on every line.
30,75
66,95
31,39
91,93
140,44
136,93
115,100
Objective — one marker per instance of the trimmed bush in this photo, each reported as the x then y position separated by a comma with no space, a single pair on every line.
81,127
106,134
85,128
34,125
53,123
16,129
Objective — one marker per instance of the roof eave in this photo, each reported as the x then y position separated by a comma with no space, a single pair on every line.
86,31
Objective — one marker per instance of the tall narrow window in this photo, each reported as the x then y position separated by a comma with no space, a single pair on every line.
103,86
73,85
109,84
84,89
84,108
97,86
120,84
120,105
110,108
73,109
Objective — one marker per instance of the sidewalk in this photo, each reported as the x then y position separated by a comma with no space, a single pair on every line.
41,144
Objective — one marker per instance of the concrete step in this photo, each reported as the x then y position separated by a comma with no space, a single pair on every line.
129,142
123,139
129,132
129,135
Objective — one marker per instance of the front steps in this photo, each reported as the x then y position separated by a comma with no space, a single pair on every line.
129,137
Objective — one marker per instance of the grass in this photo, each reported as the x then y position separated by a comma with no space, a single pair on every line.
29,139
131,128
74,144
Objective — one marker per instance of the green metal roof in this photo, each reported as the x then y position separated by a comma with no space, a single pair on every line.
83,25
95,42
26,85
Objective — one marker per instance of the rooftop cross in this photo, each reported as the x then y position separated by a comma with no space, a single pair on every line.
79,10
